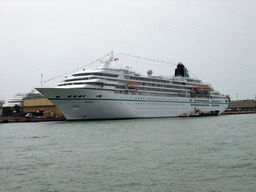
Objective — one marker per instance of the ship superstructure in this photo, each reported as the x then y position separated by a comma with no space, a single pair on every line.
120,93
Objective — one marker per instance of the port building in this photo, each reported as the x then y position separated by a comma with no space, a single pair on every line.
242,105
33,105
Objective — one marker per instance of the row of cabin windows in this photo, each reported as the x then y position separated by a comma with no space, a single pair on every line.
98,74
68,80
75,96
162,81
152,80
79,96
154,92
159,104
199,105
91,83
161,85
89,78
167,84
201,100
161,90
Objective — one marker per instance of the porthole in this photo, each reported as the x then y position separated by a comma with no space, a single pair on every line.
75,96
57,96
69,96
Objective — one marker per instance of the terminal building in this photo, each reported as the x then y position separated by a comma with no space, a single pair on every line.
40,104
242,105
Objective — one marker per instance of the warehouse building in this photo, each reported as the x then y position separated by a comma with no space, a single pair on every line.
242,105
40,104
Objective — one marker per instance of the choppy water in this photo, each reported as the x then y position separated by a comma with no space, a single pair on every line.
176,154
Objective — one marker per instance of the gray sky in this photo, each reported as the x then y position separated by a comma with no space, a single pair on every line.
215,39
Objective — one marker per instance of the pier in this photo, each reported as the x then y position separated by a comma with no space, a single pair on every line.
30,119
237,112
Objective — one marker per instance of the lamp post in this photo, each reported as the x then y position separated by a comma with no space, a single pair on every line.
41,80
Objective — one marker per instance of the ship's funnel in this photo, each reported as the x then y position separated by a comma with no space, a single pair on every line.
181,70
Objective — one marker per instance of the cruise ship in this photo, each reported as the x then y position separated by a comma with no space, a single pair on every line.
16,100
119,93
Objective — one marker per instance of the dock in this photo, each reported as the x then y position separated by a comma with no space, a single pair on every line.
238,112
31,119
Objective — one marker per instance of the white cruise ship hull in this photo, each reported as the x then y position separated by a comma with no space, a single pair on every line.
89,104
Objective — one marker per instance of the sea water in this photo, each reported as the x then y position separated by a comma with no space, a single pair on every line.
162,154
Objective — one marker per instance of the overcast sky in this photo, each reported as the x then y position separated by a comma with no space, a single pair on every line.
215,40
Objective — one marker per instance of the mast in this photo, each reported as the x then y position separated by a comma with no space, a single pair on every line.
106,63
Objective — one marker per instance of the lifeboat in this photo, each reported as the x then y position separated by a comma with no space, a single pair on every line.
202,88
132,83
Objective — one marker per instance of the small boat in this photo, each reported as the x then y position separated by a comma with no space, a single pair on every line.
184,115
203,114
